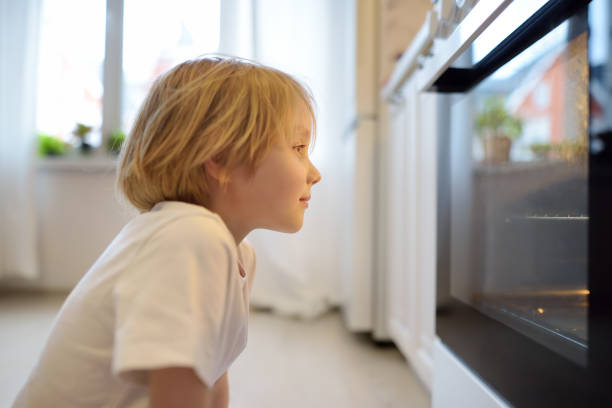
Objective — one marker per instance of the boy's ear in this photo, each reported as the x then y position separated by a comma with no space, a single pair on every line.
212,168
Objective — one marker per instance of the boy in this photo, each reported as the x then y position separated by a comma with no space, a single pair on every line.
219,148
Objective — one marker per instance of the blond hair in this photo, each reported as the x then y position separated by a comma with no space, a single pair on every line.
223,108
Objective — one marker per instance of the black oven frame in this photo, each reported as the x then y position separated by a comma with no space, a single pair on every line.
520,370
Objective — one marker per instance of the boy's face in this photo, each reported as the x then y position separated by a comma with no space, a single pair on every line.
276,195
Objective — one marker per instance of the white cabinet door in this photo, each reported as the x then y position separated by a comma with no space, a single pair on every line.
397,244
358,226
424,224
411,225
396,216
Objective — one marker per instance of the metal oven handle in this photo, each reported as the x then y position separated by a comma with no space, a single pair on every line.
538,25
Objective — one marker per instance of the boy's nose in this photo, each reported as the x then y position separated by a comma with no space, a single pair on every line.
313,175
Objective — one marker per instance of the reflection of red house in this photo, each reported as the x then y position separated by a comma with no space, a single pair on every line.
543,95
553,92
597,97
595,108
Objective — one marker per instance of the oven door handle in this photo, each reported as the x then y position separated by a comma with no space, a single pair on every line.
537,26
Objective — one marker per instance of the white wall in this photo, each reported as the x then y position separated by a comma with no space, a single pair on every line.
77,217
311,39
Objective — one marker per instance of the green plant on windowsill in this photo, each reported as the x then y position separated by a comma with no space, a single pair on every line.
49,146
541,150
115,141
571,151
498,129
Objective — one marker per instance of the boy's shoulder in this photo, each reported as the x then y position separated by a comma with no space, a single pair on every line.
175,221
172,210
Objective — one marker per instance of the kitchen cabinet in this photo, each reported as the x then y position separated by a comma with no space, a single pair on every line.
408,169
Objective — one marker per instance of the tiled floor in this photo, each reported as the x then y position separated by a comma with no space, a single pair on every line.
287,363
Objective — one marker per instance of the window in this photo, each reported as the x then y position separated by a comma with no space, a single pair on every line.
70,67
156,35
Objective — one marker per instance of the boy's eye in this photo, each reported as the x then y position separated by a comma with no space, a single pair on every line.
300,148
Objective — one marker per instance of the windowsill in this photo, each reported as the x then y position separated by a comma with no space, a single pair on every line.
93,163
527,167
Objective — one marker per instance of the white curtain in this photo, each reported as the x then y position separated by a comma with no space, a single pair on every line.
299,274
19,25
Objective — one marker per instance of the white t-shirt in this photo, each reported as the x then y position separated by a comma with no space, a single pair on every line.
166,292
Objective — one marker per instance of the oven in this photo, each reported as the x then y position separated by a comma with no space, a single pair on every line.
525,202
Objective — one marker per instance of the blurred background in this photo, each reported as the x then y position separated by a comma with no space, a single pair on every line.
72,76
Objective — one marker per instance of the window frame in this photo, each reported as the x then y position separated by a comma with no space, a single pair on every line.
112,80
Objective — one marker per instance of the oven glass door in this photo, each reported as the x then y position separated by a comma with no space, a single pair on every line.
518,254
519,192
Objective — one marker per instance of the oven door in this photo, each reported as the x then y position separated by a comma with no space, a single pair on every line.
525,204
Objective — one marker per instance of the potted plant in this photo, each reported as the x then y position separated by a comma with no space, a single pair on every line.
498,129
572,151
50,146
541,150
115,141
81,131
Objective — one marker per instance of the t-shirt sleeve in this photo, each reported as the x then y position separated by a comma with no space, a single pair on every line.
169,305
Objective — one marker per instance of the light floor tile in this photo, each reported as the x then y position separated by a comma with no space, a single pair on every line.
287,363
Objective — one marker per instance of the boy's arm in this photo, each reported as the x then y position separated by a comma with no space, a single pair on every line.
179,387
220,392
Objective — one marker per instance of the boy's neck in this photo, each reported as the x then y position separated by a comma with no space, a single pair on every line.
235,230
233,225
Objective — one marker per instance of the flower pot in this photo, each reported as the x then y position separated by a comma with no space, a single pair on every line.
85,148
496,149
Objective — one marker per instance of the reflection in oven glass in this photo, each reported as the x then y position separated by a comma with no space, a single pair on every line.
528,180
560,312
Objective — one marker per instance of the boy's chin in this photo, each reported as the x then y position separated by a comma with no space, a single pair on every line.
292,230
288,228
